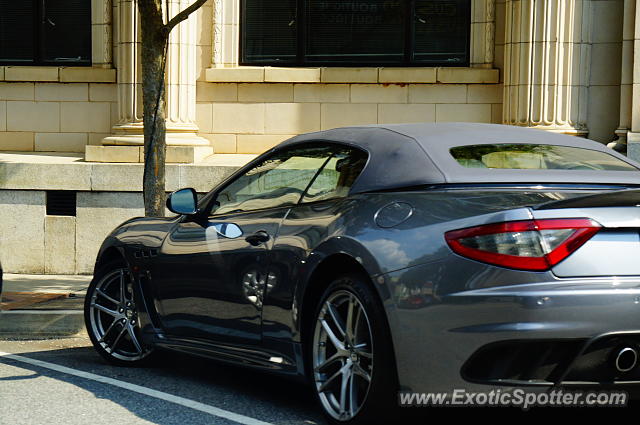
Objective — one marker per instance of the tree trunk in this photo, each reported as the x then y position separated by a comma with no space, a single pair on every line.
154,40
155,34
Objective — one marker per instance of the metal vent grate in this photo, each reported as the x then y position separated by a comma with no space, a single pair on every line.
61,202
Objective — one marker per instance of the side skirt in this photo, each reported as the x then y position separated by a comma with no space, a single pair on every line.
253,357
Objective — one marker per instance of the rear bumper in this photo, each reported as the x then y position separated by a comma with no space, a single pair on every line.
434,339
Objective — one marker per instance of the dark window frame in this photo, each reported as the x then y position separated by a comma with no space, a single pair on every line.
212,212
409,18
207,203
39,8
354,151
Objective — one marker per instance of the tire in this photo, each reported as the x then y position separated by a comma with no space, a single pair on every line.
111,320
360,354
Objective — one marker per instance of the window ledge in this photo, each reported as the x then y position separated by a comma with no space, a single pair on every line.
392,75
62,74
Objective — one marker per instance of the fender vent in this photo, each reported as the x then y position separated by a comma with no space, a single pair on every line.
61,202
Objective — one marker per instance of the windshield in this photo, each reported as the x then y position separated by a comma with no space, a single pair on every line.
537,157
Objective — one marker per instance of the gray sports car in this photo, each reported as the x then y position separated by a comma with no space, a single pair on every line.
376,259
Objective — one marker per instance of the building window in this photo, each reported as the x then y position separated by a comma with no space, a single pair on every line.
355,32
45,32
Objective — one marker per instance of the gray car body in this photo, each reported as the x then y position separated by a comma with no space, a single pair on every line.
464,305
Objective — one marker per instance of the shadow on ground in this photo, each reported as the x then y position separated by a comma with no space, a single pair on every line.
252,393
255,394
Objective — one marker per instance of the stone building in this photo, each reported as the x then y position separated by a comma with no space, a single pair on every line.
243,75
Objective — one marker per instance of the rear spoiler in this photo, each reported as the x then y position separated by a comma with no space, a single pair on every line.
618,198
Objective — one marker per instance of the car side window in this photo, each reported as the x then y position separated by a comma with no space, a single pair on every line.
337,176
279,180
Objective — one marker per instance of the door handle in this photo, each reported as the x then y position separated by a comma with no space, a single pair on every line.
258,237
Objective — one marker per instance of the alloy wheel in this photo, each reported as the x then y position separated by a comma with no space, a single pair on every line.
113,317
342,355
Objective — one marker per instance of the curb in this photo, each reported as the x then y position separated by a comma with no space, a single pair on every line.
42,306
34,324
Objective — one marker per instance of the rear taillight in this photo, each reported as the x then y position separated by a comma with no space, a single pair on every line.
524,245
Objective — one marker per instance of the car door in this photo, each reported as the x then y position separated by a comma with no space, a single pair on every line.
213,268
319,215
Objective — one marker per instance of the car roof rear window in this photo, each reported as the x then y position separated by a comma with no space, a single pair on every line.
523,156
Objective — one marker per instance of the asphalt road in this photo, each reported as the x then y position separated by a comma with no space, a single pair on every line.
65,382
32,394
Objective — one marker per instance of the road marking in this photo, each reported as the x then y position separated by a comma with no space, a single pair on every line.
192,404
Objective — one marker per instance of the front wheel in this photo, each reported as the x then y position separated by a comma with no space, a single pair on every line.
351,356
111,317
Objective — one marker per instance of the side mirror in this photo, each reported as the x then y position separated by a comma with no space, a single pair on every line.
183,201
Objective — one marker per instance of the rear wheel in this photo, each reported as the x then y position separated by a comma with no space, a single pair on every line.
111,317
351,359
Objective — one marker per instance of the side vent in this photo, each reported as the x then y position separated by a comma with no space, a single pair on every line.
61,202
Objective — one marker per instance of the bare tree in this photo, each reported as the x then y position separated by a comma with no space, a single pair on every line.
155,37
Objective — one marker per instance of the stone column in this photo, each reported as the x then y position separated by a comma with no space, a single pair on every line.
626,80
631,110
101,31
546,55
129,129
483,31
181,84
226,33
127,142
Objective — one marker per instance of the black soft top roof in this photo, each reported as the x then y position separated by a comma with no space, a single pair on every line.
403,155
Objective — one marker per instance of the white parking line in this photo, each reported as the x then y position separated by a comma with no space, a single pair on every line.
241,419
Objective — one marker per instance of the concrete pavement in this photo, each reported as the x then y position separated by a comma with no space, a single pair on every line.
46,283
175,390
41,306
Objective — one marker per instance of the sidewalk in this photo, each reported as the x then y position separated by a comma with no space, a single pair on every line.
38,306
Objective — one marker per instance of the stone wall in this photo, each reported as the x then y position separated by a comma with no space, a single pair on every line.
55,116
243,109
62,108
106,195
248,109
603,107
252,117
34,242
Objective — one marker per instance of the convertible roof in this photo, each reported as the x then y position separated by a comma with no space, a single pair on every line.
403,155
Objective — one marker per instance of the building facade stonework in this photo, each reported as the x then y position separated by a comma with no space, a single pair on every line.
570,66
562,65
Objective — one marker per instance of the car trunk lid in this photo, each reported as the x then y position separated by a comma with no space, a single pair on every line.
615,249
